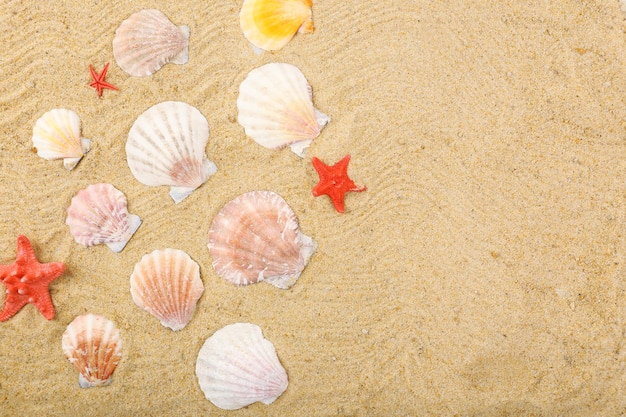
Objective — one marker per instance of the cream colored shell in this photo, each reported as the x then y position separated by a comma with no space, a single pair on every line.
276,109
99,214
166,283
56,135
270,24
93,345
256,237
237,366
166,146
147,40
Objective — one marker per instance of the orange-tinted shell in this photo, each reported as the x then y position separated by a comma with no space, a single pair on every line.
256,237
270,24
93,345
166,283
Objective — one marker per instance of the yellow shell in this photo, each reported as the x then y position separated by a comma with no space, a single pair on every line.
270,24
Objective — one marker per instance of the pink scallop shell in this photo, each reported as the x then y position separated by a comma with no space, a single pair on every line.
147,40
256,237
98,214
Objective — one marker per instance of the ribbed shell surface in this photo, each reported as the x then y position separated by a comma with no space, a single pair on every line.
276,109
93,345
99,214
56,135
166,146
256,237
270,24
237,366
166,283
147,40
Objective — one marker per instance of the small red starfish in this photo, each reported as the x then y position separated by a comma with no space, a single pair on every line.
27,281
334,181
98,80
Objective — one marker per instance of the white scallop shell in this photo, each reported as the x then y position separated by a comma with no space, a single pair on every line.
276,108
167,285
166,146
98,214
56,135
256,237
237,366
147,40
92,344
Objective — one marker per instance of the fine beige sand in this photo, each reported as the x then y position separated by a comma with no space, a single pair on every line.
480,274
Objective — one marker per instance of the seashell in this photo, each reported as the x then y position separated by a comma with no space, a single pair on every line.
270,24
56,135
276,108
98,214
167,285
92,344
256,237
147,40
166,146
237,366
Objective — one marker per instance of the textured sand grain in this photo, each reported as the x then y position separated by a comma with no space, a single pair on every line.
481,274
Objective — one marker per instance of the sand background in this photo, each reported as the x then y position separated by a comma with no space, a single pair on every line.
481,274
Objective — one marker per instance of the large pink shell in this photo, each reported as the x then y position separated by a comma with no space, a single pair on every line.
147,40
256,237
98,214
92,344
166,283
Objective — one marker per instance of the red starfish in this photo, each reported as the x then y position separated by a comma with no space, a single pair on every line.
98,80
334,181
27,281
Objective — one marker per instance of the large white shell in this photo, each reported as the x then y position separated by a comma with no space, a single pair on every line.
166,146
256,237
147,40
270,24
167,285
237,366
98,214
56,135
92,344
276,108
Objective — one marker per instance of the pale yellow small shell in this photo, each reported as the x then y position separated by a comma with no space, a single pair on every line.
56,135
270,24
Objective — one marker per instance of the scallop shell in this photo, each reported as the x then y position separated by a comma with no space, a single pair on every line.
237,366
147,40
270,24
98,214
256,237
167,285
56,135
276,108
93,345
166,146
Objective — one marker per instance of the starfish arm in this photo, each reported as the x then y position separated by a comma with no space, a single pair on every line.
12,306
6,271
338,200
51,271
25,251
43,302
